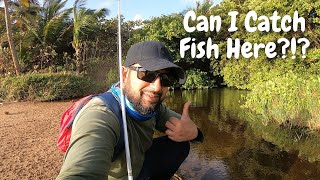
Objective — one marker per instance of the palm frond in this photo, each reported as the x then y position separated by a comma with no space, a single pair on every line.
22,15
85,21
102,13
31,28
61,4
55,25
79,3
52,8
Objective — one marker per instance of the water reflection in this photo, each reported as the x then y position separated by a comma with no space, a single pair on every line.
235,147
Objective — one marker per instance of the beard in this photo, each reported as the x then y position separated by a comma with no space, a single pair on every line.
139,104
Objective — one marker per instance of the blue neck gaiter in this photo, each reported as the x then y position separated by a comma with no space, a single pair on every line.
129,108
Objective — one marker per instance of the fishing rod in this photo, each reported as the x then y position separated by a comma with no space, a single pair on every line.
125,129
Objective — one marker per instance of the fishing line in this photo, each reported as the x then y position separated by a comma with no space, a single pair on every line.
125,130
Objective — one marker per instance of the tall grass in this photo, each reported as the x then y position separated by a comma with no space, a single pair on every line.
289,99
45,87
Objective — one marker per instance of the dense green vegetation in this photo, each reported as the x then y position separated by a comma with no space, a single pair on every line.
289,99
197,80
284,90
45,87
51,39
240,73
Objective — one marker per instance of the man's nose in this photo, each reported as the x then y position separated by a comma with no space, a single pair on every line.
156,84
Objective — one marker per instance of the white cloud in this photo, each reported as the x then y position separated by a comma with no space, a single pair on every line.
1,4
137,17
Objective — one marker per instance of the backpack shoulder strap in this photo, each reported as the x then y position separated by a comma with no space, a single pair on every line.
111,102
80,106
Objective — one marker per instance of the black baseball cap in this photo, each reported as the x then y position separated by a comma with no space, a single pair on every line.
153,56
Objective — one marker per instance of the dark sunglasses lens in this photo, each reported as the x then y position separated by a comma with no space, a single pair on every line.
148,76
167,80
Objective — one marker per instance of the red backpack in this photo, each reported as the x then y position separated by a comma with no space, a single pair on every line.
70,114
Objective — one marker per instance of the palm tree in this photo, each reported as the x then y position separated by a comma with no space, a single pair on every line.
26,3
54,19
44,22
10,38
84,21
42,30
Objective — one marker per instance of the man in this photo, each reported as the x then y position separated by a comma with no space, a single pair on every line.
147,74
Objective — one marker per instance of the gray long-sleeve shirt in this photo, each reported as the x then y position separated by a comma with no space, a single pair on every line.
95,133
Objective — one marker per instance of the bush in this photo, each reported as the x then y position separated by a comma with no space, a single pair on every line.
247,73
288,99
45,87
236,74
102,70
112,76
197,80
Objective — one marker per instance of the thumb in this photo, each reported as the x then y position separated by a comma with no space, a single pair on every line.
185,112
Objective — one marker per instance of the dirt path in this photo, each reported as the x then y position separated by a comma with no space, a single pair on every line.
28,134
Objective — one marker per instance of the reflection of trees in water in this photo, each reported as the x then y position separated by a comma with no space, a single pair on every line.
215,115
206,160
197,167
215,112
224,112
264,160
306,144
261,160
232,150
199,98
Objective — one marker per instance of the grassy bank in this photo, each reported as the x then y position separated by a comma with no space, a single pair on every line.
45,87
289,99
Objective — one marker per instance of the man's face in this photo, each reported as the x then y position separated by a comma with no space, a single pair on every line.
145,97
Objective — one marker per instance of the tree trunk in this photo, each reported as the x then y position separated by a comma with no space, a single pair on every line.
10,39
79,64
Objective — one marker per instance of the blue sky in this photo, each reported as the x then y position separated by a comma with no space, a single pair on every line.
144,9
133,9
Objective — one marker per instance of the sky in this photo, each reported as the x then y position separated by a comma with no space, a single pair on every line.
140,9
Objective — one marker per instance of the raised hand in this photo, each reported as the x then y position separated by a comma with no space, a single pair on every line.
183,129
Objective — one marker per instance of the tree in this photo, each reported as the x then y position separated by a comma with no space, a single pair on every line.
45,33
85,21
53,20
10,38
3,33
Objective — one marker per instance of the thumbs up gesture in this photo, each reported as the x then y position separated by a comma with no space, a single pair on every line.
183,129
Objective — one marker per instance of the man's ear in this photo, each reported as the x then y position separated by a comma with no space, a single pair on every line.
125,73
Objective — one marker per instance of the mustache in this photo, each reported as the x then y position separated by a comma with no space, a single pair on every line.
153,92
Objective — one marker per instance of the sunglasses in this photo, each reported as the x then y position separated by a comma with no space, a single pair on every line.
167,79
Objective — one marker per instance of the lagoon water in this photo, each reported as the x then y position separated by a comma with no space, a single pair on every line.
239,146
